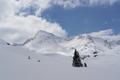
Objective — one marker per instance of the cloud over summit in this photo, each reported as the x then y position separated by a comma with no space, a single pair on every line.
17,28
21,19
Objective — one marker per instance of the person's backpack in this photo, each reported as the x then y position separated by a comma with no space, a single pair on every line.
85,65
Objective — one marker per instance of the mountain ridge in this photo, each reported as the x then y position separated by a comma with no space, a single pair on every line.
48,43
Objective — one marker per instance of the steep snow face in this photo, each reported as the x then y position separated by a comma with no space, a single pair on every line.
87,44
45,42
101,42
83,45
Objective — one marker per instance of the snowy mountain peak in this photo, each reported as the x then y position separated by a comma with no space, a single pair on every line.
86,44
47,37
42,33
44,42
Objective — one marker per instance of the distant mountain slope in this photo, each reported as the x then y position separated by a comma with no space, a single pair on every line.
103,42
15,65
44,42
86,44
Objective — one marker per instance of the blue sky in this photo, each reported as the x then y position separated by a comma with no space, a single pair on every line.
86,19
22,19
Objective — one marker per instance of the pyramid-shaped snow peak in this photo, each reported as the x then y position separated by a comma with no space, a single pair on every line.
45,42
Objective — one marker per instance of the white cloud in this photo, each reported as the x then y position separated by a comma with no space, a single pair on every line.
77,3
102,2
67,3
106,34
103,33
14,28
18,27
21,28
40,6
13,6
6,8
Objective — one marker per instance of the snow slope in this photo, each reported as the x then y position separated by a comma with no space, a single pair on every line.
48,43
15,65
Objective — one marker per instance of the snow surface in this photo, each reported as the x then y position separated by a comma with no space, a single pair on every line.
86,44
51,58
15,65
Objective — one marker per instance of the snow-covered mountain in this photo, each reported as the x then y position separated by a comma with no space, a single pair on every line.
99,43
15,64
86,44
44,42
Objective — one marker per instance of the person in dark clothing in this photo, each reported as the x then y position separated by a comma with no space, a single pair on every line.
95,54
38,61
77,60
85,64
29,57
